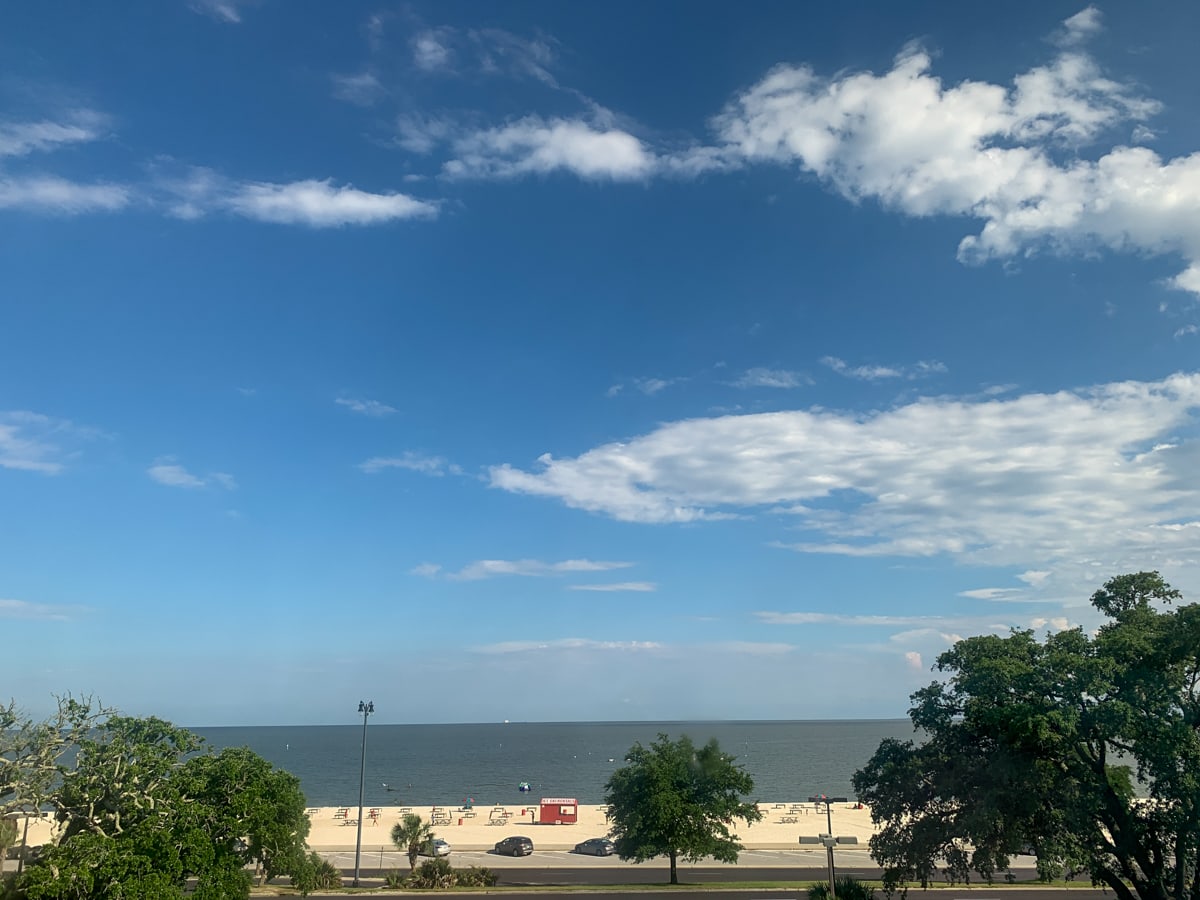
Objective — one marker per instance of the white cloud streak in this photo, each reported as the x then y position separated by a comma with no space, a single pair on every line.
21,609
49,194
436,466
921,369
560,644
1101,476
319,204
373,408
530,568
771,378
79,126
167,471
32,442
635,586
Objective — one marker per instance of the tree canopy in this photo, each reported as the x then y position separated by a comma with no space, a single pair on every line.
676,800
141,809
1083,749
410,834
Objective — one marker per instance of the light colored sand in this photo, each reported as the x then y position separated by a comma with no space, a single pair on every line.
330,831
781,826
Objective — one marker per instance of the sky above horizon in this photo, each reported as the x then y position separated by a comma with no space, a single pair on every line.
559,361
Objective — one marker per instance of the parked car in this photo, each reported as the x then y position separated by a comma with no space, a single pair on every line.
515,846
436,847
596,847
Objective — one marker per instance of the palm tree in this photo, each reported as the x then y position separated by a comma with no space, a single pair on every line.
409,834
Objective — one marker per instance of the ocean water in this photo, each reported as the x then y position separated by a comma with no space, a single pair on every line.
446,764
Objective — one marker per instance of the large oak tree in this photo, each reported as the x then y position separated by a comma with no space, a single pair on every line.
1083,749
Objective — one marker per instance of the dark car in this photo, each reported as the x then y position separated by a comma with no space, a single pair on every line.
596,847
515,846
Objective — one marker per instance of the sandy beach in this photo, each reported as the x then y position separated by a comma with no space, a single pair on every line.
482,825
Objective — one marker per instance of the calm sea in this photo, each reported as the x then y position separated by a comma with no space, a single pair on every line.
436,764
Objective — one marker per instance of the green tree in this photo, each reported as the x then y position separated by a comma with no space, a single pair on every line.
1047,745
676,800
249,809
409,834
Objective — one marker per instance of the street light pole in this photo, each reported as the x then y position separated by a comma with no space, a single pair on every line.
366,708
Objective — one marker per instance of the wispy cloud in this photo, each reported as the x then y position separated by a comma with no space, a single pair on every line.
168,472
33,442
364,407
21,609
413,462
919,369
228,11
637,586
771,378
361,88
77,126
645,385
530,568
990,593
568,644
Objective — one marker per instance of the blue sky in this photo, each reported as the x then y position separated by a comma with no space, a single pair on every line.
576,361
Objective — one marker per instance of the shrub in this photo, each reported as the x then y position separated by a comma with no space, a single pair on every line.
477,876
433,873
315,874
848,888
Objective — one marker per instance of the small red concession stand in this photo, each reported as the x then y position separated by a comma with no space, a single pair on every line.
558,811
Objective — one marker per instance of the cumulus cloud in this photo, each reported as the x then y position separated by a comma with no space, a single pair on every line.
913,658
537,146
363,407
1099,476
319,204
168,472
413,462
1008,155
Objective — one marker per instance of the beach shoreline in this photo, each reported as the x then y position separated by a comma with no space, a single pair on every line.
480,826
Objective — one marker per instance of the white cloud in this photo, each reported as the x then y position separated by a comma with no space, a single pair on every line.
638,586
988,151
989,593
318,204
1039,480
534,568
913,658
536,146
414,462
567,644
221,10
431,49
920,369
426,570
373,408
32,442
47,193
168,472
857,621
22,138
361,89
21,609
772,378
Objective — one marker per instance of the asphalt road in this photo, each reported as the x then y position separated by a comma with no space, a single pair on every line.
802,867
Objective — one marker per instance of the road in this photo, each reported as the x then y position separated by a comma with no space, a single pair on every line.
801,867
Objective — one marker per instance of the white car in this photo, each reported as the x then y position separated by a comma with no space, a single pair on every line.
436,847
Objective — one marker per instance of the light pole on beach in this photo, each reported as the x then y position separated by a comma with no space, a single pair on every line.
828,839
366,708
